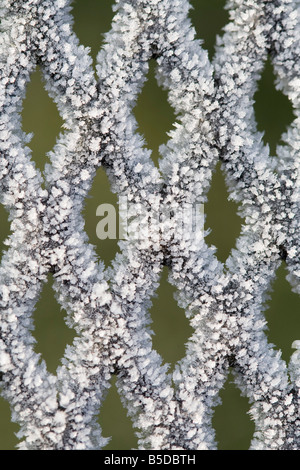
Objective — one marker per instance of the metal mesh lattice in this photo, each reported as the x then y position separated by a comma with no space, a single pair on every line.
109,308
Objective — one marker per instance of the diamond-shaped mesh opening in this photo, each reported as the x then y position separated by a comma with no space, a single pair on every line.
101,214
8,430
91,20
115,422
231,421
4,229
40,117
153,113
169,323
208,18
51,332
221,217
273,110
282,315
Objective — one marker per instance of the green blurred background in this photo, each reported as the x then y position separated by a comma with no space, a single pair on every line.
234,429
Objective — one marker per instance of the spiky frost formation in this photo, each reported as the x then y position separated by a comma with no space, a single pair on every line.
109,309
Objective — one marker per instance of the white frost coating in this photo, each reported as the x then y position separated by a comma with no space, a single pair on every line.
109,309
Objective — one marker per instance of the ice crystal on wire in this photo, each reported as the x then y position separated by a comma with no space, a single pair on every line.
213,103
